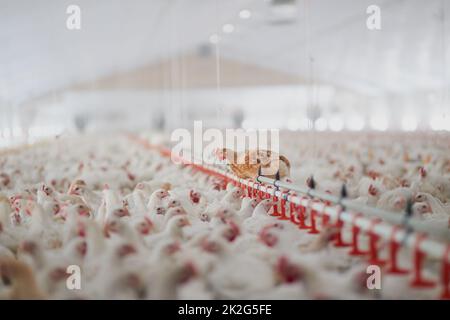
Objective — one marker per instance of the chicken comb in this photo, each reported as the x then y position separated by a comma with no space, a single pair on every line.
423,172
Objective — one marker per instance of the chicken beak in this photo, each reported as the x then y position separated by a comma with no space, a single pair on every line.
106,231
73,192
85,213
220,154
186,223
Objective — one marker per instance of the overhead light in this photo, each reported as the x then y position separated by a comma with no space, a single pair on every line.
293,124
336,124
438,122
228,28
355,123
245,14
305,124
379,122
321,124
409,123
214,38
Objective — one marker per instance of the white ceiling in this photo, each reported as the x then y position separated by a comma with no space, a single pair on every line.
407,54
39,55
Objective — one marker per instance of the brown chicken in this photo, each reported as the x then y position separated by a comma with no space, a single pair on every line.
19,279
251,163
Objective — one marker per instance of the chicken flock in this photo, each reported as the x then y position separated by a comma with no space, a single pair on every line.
382,170
140,227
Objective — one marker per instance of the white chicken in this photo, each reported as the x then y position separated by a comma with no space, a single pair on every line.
260,217
140,227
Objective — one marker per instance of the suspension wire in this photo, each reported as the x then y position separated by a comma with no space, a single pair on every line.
311,108
219,109
445,87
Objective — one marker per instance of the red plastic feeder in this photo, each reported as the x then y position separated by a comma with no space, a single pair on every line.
301,216
355,237
373,242
325,217
224,184
292,209
340,224
312,218
275,206
394,248
446,274
261,194
265,195
418,259
257,192
298,215
283,201
249,191
292,212
313,228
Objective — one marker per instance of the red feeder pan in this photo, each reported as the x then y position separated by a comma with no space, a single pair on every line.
292,212
298,216
275,206
283,201
418,280
224,184
266,195
373,241
255,190
249,191
325,217
301,215
355,237
446,274
394,248
340,224
313,228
